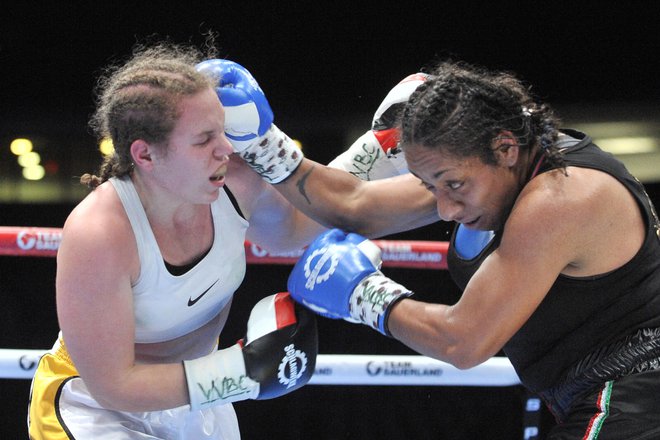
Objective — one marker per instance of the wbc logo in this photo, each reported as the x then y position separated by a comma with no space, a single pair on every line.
324,266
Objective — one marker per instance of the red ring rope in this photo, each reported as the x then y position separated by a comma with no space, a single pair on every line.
44,242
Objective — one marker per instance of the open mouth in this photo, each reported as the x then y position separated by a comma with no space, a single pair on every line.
219,175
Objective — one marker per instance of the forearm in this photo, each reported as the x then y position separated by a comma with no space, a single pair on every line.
327,195
338,199
143,388
430,330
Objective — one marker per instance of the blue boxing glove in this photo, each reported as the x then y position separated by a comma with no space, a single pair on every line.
249,121
247,112
338,276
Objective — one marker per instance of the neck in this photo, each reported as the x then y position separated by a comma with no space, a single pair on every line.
163,209
537,158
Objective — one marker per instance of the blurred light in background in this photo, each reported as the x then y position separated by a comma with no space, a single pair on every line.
35,172
29,159
44,166
628,145
20,146
106,147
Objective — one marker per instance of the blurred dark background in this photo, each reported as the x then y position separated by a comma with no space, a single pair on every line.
325,67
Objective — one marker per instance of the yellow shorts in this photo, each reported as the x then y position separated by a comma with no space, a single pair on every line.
61,408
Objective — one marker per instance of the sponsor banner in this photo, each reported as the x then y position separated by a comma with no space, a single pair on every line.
404,254
334,369
40,242
44,242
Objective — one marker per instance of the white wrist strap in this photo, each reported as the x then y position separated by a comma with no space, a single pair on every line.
219,378
372,299
366,160
274,156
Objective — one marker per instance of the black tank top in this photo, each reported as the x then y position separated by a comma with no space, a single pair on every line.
579,316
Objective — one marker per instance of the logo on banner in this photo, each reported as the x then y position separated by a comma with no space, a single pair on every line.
400,369
28,240
263,253
28,363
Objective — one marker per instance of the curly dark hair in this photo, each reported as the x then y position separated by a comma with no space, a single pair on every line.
462,108
139,100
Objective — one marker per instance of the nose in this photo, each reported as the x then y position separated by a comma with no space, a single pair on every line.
223,148
448,209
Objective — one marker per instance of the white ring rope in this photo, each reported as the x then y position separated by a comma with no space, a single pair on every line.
335,369
331,369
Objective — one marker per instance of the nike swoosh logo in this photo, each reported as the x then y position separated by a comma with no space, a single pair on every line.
191,302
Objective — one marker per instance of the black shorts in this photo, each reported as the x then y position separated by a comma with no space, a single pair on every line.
624,409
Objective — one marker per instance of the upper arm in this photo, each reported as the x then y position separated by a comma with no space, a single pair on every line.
94,299
540,239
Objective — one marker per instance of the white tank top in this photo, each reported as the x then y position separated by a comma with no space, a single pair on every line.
168,306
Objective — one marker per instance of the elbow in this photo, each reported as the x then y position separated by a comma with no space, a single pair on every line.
463,357
458,354
115,401
465,362
110,400
471,353
465,349
115,398
353,224
355,217
348,219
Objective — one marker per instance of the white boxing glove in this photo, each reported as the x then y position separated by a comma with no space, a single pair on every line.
375,154
277,356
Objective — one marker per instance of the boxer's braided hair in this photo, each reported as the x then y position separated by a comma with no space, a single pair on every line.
139,100
462,108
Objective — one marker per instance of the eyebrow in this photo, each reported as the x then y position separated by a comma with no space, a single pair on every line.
206,133
437,175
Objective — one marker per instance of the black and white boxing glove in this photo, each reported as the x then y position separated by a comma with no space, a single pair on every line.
375,154
276,357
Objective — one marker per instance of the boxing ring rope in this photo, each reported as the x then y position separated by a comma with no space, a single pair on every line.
331,369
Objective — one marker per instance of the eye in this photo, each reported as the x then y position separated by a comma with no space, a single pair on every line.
454,185
204,141
428,186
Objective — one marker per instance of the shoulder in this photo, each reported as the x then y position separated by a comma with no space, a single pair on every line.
98,231
571,194
566,214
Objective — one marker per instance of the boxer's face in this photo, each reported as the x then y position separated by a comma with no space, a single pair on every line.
467,190
195,162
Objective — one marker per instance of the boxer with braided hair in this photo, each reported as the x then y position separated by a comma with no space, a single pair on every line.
151,258
148,266
458,98
556,249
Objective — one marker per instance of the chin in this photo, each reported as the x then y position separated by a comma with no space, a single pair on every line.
210,197
483,225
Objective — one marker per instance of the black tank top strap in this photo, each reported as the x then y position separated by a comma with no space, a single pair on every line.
233,201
